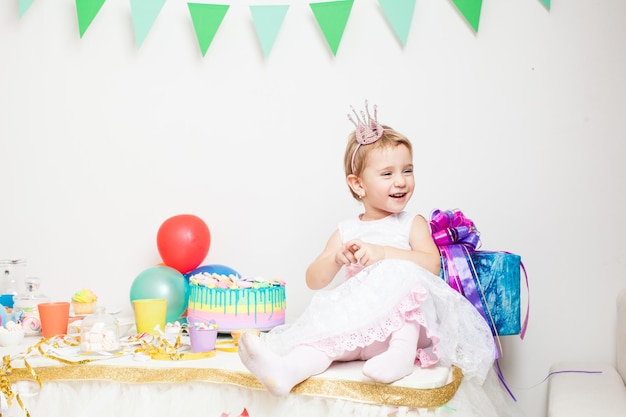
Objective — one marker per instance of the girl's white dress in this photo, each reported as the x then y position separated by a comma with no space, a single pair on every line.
376,301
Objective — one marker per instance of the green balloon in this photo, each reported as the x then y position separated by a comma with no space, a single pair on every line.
162,282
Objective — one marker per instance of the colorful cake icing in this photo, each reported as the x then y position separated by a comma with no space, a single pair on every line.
235,303
84,301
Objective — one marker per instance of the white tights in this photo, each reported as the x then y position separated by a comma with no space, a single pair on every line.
398,359
386,361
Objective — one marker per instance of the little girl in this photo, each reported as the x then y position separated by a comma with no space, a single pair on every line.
393,311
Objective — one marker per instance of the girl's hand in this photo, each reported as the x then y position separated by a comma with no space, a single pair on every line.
364,253
345,256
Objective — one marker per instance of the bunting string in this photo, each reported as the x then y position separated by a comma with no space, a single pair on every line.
331,16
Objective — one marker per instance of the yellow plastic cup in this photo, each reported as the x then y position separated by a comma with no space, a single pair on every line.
150,313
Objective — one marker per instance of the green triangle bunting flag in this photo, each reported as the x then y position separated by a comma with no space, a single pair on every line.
144,14
546,3
332,18
267,21
23,6
399,13
470,9
87,11
207,19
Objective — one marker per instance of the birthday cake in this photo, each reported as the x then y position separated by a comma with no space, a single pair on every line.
234,303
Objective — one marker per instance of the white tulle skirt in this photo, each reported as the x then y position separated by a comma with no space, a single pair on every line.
379,300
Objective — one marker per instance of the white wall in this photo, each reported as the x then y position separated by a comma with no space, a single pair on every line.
521,126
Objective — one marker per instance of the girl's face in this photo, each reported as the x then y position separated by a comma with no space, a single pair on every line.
387,181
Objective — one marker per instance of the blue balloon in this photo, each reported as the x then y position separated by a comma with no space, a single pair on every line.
214,269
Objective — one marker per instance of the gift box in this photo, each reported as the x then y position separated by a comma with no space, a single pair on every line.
497,279
490,280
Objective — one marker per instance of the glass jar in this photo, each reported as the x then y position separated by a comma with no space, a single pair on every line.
99,332
25,310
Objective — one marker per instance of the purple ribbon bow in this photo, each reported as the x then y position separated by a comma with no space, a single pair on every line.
455,235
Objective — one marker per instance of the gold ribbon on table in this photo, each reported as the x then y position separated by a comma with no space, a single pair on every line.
7,370
163,349
226,346
6,384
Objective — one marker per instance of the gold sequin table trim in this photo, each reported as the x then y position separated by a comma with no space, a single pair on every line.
365,392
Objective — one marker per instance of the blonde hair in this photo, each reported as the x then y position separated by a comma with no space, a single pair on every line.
389,138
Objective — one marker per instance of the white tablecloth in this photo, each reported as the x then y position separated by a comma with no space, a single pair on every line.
215,386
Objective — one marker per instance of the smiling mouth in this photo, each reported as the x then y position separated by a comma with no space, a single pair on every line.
399,195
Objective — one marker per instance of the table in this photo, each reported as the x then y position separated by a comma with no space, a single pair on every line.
217,386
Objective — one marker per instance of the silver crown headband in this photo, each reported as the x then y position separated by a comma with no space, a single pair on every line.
367,129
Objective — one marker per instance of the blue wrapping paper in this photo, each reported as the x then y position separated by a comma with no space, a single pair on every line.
497,278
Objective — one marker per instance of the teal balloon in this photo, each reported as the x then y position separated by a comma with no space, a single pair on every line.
162,282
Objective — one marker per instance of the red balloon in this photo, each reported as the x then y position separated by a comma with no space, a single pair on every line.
183,242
